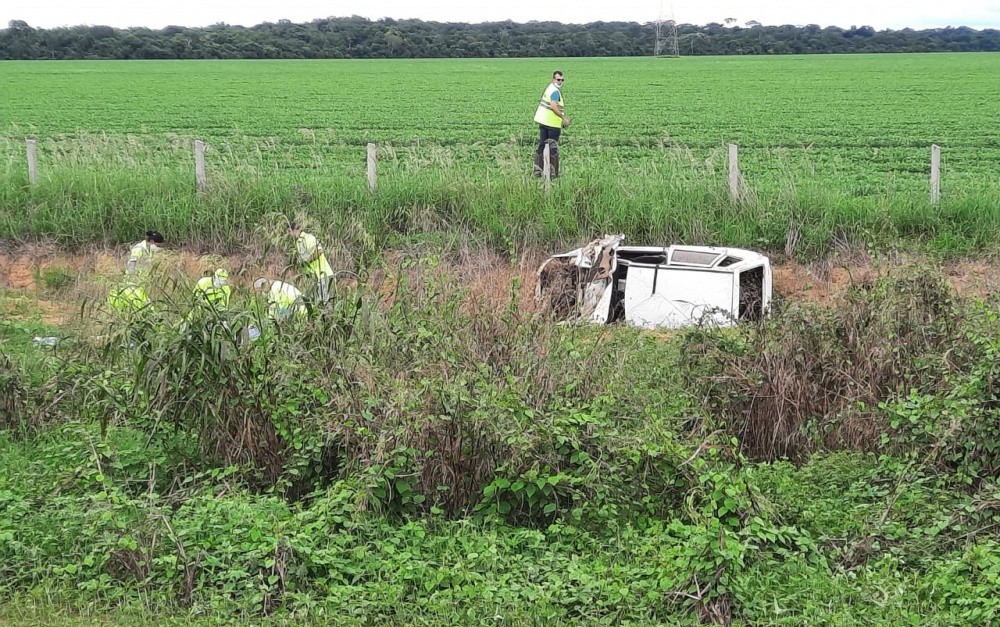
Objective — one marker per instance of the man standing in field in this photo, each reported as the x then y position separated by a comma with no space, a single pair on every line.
551,118
311,256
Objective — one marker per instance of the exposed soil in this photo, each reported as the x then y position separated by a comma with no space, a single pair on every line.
821,282
487,276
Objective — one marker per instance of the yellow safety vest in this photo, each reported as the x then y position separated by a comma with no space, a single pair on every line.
216,296
544,114
308,248
128,299
141,257
284,299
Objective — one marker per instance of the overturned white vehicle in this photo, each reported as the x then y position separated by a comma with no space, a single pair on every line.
655,287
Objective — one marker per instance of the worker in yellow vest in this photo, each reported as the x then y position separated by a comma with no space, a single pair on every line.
551,118
213,291
211,303
284,300
140,260
128,299
312,258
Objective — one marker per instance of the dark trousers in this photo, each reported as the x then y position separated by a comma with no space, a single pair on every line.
546,133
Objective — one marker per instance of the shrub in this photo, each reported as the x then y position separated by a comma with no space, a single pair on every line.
802,380
55,278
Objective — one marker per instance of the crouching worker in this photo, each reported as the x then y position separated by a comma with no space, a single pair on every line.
208,319
314,261
128,299
211,300
212,292
284,300
132,305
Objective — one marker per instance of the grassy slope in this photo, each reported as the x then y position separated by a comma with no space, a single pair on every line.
99,530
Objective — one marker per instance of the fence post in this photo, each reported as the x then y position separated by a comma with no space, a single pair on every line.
734,172
372,168
199,165
32,162
935,174
547,166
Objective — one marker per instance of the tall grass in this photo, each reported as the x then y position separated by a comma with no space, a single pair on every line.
426,448
826,378
110,190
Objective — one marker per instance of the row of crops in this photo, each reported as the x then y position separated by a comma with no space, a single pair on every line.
839,144
863,101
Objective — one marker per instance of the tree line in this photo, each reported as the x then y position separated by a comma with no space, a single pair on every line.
361,38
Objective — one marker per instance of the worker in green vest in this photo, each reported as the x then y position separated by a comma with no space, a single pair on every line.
551,118
210,311
284,300
213,291
313,260
140,260
128,299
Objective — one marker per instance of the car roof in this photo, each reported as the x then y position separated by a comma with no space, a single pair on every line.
699,257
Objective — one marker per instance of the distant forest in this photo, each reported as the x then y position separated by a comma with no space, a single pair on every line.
361,38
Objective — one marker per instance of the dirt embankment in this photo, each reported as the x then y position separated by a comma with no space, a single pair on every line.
487,276
821,282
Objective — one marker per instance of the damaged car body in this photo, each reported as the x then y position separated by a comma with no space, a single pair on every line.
655,287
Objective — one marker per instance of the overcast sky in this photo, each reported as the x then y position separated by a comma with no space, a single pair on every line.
157,14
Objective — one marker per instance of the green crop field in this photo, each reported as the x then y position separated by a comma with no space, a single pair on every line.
839,146
428,448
